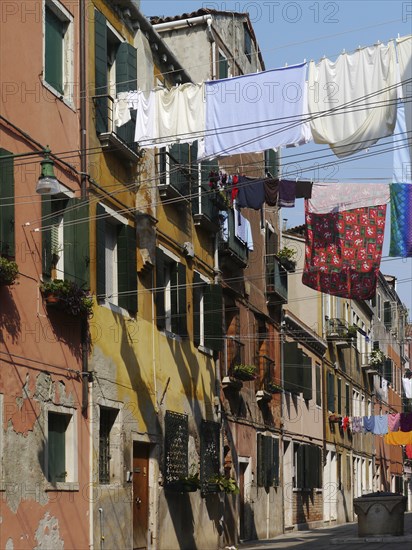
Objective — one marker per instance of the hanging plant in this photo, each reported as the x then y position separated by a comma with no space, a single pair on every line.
244,372
226,484
68,297
271,387
287,257
9,271
377,357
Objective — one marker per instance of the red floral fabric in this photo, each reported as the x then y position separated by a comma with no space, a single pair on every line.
344,250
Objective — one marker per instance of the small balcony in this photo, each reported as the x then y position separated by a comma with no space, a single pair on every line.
232,251
205,209
267,386
340,332
175,177
233,354
372,363
276,280
113,139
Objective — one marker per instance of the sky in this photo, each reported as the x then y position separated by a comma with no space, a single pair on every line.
290,32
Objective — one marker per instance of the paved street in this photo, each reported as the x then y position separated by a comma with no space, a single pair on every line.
339,537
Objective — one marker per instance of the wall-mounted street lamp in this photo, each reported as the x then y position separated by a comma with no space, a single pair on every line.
47,184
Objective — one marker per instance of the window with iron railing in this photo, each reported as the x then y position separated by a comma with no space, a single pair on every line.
234,353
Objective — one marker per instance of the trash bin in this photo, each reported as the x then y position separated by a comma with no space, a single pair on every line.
380,513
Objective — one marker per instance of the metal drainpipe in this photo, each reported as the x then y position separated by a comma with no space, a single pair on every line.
83,103
101,529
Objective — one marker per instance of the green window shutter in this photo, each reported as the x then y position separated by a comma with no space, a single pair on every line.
160,289
100,45
174,297
318,386
126,79
127,269
223,66
272,162
387,314
275,476
339,381
291,358
197,294
307,377
76,242
54,35
347,400
212,302
269,461
6,204
331,392
181,299
46,244
387,370
308,470
179,167
100,251
319,467
56,443
300,467
260,460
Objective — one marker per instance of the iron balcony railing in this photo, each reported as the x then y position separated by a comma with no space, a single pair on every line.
229,245
233,354
276,279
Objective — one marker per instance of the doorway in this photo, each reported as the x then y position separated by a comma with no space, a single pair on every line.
140,495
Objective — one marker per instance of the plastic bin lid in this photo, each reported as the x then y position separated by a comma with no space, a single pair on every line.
382,494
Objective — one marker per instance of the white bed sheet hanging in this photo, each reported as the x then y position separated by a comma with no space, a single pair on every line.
360,89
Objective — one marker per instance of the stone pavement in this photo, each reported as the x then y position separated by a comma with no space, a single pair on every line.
340,537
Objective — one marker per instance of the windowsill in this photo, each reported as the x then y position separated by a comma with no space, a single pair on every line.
301,490
68,102
205,351
115,308
171,335
62,486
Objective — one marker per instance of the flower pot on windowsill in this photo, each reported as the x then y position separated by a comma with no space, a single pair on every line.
245,372
68,297
289,265
271,387
188,484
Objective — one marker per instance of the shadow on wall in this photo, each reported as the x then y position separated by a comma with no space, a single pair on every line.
10,320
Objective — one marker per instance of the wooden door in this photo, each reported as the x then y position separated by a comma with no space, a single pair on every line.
242,511
140,495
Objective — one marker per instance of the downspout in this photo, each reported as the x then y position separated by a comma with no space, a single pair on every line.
181,23
83,103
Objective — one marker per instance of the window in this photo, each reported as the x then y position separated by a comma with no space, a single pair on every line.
387,370
209,452
318,385
307,466
267,461
223,66
331,392
65,238
356,403
170,293
116,259
207,314
6,204
248,41
379,306
347,400
339,381
176,169
387,314
108,443
58,48
115,71
176,463
61,455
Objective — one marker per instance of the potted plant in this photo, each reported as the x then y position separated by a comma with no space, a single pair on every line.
287,257
226,484
377,358
185,484
67,296
271,387
221,200
244,372
9,271
351,331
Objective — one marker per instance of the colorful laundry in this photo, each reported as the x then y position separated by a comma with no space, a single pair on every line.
402,149
343,251
407,387
271,187
243,230
404,52
401,220
380,426
406,422
364,78
368,424
255,112
408,451
339,197
357,426
398,438
290,190
251,193
394,422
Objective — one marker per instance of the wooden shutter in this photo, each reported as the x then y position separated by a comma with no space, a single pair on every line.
308,467
76,242
387,314
174,297
318,385
127,268
212,302
306,377
197,294
100,59
160,289
54,35
181,300
6,204
387,370
339,397
126,79
100,251
46,244
300,467
275,474
291,357
261,460
56,442
331,392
